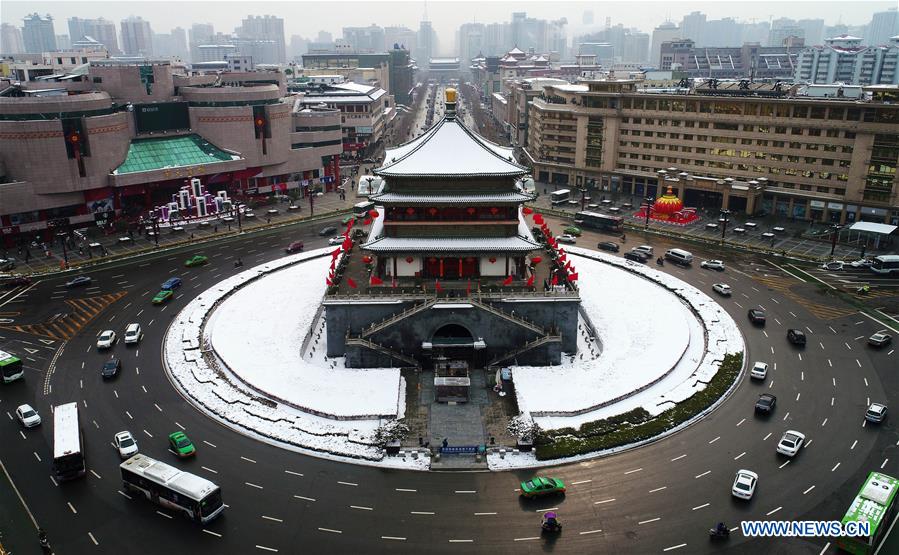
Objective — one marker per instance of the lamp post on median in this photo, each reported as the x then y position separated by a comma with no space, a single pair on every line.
725,218
834,234
649,202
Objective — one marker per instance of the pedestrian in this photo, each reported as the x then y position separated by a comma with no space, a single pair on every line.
27,254
445,442
215,228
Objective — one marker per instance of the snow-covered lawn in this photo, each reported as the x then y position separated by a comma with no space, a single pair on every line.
661,338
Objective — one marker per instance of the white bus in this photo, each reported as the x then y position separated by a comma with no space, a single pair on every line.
10,367
68,446
559,197
197,498
887,264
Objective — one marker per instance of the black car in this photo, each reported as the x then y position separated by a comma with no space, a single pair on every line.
796,337
16,281
111,368
765,403
636,256
326,231
757,316
608,246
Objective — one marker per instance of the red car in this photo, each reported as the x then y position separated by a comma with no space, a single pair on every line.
17,281
296,246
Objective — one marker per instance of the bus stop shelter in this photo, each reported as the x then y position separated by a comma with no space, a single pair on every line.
873,230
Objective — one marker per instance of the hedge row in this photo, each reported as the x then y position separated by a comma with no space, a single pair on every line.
636,425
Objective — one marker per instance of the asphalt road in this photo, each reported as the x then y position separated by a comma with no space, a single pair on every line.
660,497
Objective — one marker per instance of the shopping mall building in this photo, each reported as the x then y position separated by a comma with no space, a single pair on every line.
753,148
125,135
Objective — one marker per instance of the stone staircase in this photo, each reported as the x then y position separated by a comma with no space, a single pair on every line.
527,324
377,347
542,340
391,320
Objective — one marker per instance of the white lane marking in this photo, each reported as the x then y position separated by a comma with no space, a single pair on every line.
703,474
589,532
835,467
163,514
859,363
885,461
457,491
797,395
785,463
148,433
179,425
95,474
658,489
786,416
808,490
714,440
361,508
54,481
581,482
304,498
129,415
93,539
331,530
824,423
866,382
650,520
526,539
703,506
123,494
248,460
293,473
352,484
210,532
827,546
632,471
207,469
407,490
546,510
484,514
273,519
854,443
262,547
673,547
604,501
253,485
395,538
678,458
769,513
740,423
207,443
461,541
422,513
740,456
72,507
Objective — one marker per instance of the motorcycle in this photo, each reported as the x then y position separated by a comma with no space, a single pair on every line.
660,261
551,524
719,532
238,263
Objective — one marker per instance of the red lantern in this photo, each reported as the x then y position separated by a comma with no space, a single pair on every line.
410,211
526,211
260,121
367,259
538,219
432,211
492,259
470,259
494,210
74,137
409,260
373,214
536,260
471,210
432,260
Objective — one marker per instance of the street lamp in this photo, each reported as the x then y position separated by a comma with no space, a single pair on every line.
725,218
834,233
649,201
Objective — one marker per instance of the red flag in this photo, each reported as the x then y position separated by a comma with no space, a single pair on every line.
328,282
531,281
347,244
568,266
538,219
332,263
561,250
555,280
375,280
335,253
351,223
373,213
366,221
526,211
507,281
437,285
572,277
351,283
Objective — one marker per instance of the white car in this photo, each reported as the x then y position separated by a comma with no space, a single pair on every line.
28,416
336,240
875,413
133,334
643,248
791,442
106,339
712,265
759,371
722,289
566,238
861,263
832,266
126,444
744,484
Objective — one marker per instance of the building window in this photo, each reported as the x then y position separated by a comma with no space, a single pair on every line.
780,130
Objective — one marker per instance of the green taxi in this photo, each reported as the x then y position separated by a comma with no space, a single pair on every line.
181,445
542,485
573,230
162,296
197,260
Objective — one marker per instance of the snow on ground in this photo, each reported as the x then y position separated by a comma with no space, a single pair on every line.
258,333
214,389
656,351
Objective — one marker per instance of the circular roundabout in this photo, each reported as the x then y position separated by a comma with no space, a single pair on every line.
660,496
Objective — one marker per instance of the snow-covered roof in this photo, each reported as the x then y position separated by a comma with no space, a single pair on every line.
450,149
515,50
486,198
451,244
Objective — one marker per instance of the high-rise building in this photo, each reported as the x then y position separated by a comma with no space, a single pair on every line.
630,45
844,59
38,34
200,33
63,42
722,32
883,26
11,40
171,45
427,43
366,39
101,30
403,36
587,17
137,37
782,29
297,47
813,30
693,27
470,42
402,75
665,32
266,28
755,32
497,39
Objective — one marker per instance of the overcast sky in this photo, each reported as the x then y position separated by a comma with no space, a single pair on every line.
307,18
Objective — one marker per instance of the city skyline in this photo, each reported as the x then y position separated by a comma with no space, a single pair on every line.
446,16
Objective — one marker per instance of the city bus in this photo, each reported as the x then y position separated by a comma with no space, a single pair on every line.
887,264
195,497
594,220
68,444
360,210
876,505
10,367
559,197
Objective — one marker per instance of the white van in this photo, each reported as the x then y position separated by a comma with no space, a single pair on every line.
679,256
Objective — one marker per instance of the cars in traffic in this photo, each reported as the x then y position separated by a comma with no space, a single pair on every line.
27,416
542,485
790,443
181,445
876,413
862,263
796,337
679,256
172,283
608,246
79,281
745,483
757,316
7,264
572,230
833,266
106,339
15,281
111,368
196,260
636,256
765,403
759,371
566,238
712,265
643,248
133,334
722,289
330,230
336,240
125,444
296,246
880,339
162,296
